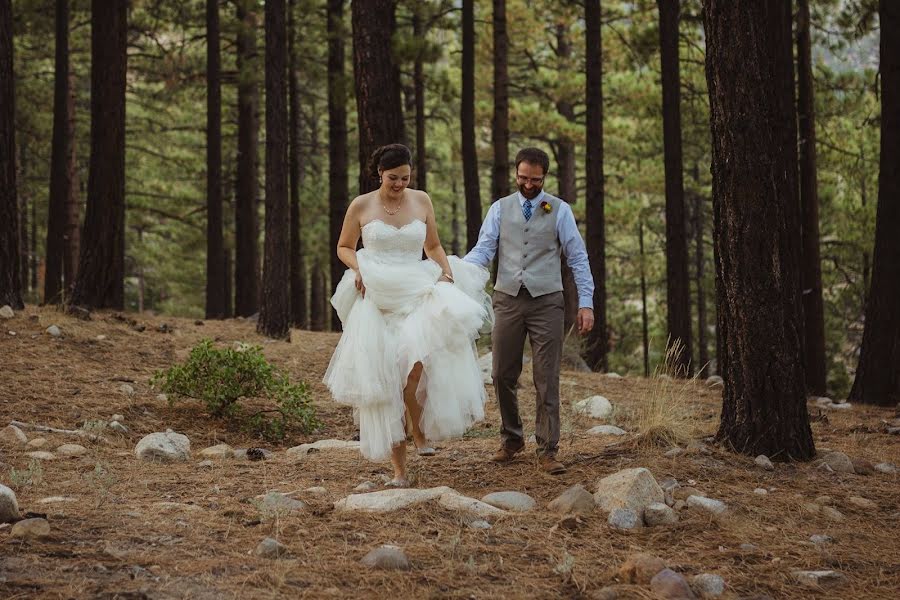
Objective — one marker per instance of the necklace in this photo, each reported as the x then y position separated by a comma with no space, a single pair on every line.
389,211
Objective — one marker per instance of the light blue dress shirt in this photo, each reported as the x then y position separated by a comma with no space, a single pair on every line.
569,240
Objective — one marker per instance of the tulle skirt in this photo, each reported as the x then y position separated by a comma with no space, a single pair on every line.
408,317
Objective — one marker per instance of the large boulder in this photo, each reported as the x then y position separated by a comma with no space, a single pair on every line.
630,488
470,506
511,501
9,508
164,447
596,407
390,500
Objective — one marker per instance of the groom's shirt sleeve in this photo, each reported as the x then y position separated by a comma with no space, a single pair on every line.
576,255
488,238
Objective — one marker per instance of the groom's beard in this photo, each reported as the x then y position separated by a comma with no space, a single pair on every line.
529,194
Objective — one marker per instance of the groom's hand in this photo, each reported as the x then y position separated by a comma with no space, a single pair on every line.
585,320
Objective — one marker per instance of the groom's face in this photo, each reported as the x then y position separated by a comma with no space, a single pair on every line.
529,179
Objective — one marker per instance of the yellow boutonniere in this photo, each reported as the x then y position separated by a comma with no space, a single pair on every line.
546,207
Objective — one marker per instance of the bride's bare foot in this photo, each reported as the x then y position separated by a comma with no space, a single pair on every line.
398,482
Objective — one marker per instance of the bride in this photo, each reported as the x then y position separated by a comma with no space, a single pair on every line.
406,358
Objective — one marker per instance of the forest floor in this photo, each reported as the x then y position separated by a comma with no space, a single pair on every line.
124,528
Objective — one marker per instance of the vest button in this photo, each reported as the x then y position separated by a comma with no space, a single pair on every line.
526,242
526,229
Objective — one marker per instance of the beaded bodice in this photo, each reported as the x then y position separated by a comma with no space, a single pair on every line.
394,244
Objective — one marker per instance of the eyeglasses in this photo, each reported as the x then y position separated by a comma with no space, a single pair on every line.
535,181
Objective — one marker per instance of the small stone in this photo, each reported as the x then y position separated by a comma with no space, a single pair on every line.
817,578
118,428
117,417
162,397
812,508
511,501
839,462
575,500
761,491
641,568
762,461
101,337
206,464
386,557
714,380
366,486
276,503
596,407
613,375
624,518
71,450
31,529
863,503
606,430
6,312
708,585
316,490
824,500
269,548
657,514
679,505
748,547
13,435
886,468
127,389
669,585
716,507
819,539
218,451
832,513
54,331
479,524
41,455
9,507
862,467
839,406
37,443
674,452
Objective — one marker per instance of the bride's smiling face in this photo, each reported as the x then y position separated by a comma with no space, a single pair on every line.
394,181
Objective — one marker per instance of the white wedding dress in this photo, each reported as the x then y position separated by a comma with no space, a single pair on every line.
406,317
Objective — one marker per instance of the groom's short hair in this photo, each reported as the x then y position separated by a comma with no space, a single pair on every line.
535,156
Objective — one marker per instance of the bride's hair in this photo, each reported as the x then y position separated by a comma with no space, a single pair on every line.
388,157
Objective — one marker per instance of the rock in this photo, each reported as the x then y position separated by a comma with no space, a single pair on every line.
118,428
630,488
37,443
127,389
606,430
625,518
811,507
206,464
390,500
13,435
479,524
316,490
708,585
41,455
304,449
471,506
71,450
683,493
613,375
762,461
569,523
863,503
575,500
839,406
117,417
832,513
9,507
659,514
679,505
31,529
54,331
6,312
715,380
669,585
761,491
277,504
486,365
839,462
817,578
269,548
824,500
366,486
162,397
748,547
386,557
641,568
219,451
164,447
596,407
819,539
862,467
673,452
886,468
716,507
511,501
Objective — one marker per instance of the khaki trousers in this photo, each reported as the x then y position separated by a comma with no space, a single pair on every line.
541,318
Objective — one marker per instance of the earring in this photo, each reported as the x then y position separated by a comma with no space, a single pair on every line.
379,181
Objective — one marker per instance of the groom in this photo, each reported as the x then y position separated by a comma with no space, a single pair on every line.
529,229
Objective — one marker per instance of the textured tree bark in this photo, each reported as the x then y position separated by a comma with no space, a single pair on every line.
419,32
275,307
101,268
215,243
749,71
699,273
467,124
72,224
317,301
338,189
878,374
500,121
296,173
10,279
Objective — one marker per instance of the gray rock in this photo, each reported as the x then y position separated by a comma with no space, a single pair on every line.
657,514
366,486
276,504
596,407
761,491
708,585
391,500
863,503
9,508
762,461
613,375
669,585
386,557
71,450
575,500
511,501
117,417
13,435
127,389
31,529
162,397
839,462
219,451
479,524
317,490
304,449
206,464
824,500
641,568
41,455
486,365
630,488
833,514
624,518
54,331
269,548
37,442
164,447
716,507
886,468
673,452
820,539
6,312
817,578
714,380
862,467
748,547
118,428
470,506
606,430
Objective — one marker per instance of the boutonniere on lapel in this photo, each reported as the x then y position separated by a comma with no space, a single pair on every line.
546,207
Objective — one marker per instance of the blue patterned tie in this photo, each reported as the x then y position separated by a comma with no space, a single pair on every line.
526,209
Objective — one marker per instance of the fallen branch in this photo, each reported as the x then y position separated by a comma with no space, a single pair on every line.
75,432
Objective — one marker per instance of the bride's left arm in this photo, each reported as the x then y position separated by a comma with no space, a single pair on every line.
433,248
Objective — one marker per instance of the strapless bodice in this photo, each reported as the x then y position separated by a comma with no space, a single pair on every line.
386,243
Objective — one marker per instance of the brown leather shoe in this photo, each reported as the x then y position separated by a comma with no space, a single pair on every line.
507,452
549,464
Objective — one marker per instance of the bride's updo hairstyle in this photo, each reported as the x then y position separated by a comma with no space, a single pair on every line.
388,157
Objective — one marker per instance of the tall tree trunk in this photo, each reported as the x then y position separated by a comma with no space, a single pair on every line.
10,280
597,346
317,299
678,287
215,243
298,268
60,184
811,267
246,218
699,274
378,104
467,123
878,374
101,269
275,308
419,32
229,277
338,188
72,223
500,121
645,321
749,70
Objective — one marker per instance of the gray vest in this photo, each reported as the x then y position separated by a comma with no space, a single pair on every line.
528,252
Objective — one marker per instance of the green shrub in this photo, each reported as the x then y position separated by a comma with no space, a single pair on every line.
221,377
